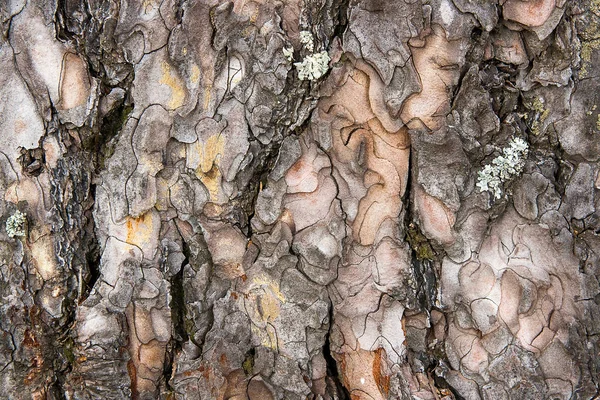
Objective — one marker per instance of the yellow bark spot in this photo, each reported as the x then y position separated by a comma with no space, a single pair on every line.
269,285
42,253
247,31
265,300
268,306
254,17
207,91
208,171
147,6
139,230
170,78
267,336
195,74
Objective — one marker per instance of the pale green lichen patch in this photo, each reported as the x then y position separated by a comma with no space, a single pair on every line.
591,112
590,39
503,168
313,67
538,106
307,40
288,53
541,113
587,49
15,224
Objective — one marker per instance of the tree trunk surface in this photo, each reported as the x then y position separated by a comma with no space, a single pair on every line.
318,199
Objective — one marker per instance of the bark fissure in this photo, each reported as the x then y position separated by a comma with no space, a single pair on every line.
333,372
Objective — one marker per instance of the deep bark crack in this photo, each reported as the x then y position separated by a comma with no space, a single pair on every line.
339,391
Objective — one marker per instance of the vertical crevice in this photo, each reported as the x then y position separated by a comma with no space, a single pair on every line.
422,252
424,256
178,317
177,304
334,380
92,256
333,374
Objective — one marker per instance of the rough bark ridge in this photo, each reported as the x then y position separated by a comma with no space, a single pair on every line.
207,220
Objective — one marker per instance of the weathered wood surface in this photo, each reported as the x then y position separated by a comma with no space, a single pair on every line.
208,217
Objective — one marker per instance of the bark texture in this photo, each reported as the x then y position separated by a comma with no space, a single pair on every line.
207,217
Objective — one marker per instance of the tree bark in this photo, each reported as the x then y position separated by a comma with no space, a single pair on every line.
318,199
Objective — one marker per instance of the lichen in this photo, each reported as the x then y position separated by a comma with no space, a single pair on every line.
248,363
288,53
538,106
306,38
15,224
503,168
587,49
68,350
419,243
313,67
541,114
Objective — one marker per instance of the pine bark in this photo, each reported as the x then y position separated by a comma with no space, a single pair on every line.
208,216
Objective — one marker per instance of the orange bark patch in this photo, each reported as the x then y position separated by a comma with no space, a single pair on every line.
39,394
139,229
204,371
133,378
223,359
361,374
36,367
74,82
383,381
29,339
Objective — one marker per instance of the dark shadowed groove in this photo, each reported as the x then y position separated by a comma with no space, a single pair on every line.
177,304
178,315
333,373
340,392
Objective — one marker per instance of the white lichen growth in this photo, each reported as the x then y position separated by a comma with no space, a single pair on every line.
306,38
288,53
15,224
313,67
503,168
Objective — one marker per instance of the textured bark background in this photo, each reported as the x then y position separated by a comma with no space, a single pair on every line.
201,223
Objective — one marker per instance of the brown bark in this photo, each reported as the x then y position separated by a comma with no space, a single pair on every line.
287,199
